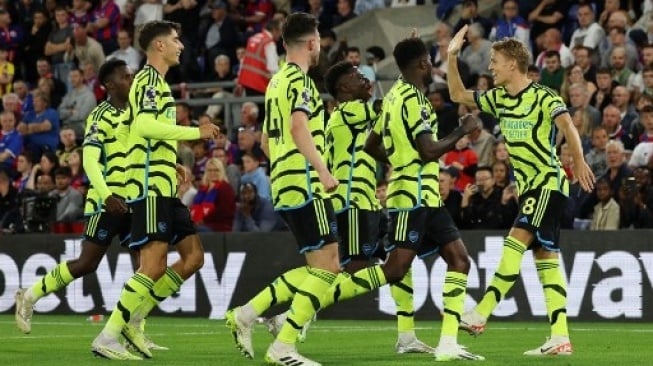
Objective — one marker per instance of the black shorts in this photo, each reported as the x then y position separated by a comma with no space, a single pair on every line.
540,212
424,230
163,219
313,224
103,226
358,231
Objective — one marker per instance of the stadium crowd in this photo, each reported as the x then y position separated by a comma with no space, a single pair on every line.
597,54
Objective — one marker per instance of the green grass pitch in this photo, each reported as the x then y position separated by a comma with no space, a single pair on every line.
66,340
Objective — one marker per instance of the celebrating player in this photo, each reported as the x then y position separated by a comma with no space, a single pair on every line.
158,216
105,209
528,115
294,133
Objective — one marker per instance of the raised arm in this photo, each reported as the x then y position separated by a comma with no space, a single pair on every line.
457,89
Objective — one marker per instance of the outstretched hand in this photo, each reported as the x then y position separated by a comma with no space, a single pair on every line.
457,41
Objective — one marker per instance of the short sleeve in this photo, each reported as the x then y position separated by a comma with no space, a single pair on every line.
554,107
300,93
418,116
487,101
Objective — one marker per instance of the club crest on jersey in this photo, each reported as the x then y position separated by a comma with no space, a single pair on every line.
149,99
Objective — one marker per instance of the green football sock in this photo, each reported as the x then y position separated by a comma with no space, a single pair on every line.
135,292
402,293
280,291
58,278
307,301
504,277
163,288
453,297
555,294
361,282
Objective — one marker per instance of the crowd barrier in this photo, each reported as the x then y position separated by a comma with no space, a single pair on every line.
610,276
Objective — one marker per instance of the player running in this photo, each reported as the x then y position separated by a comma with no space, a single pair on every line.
528,115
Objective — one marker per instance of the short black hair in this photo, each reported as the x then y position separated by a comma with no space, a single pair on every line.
604,71
273,24
533,68
108,68
647,109
552,53
407,51
484,168
153,29
334,74
64,170
298,25
353,49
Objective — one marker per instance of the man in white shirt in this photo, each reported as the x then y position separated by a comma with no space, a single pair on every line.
590,33
552,41
126,52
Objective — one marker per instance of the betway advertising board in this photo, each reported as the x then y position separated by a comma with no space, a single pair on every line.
609,276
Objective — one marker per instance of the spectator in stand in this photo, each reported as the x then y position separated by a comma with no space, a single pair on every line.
583,58
627,112
127,52
183,115
575,76
344,12
533,73
47,165
481,142
24,166
247,142
260,61
322,13
11,142
9,203
23,12
223,70
616,131
602,97
233,170
464,160
589,33
449,195
44,69
78,176
68,139
609,7
70,202
12,36
579,101
35,40
470,15
11,103
606,212
80,14
552,41
618,170
7,70
222,36
24,99
552,75
442,34
92,82
253,173
59,46
582,123
596,157
500,152
511,24
40,129
87,49
620,72
254,213
187,192
477,53
548,15
647,64
501,174
45,185
445,110
481,206
644,130
644,149
104,25
215,203
201,158
77,104
249,116
257,14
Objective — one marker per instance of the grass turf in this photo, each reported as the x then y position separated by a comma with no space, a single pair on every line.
66,340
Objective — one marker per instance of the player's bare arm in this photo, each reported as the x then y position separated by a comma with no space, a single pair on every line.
582,171
456,87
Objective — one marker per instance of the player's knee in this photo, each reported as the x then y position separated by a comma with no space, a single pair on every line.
459,263
84,266
395,271
195,261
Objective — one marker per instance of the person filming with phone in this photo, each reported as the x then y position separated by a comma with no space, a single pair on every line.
485,206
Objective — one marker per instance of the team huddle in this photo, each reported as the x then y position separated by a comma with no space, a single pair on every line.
323,185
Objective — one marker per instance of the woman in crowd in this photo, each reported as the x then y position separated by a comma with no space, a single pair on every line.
215,203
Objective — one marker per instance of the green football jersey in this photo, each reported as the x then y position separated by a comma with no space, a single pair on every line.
527,124
354,169
407,114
